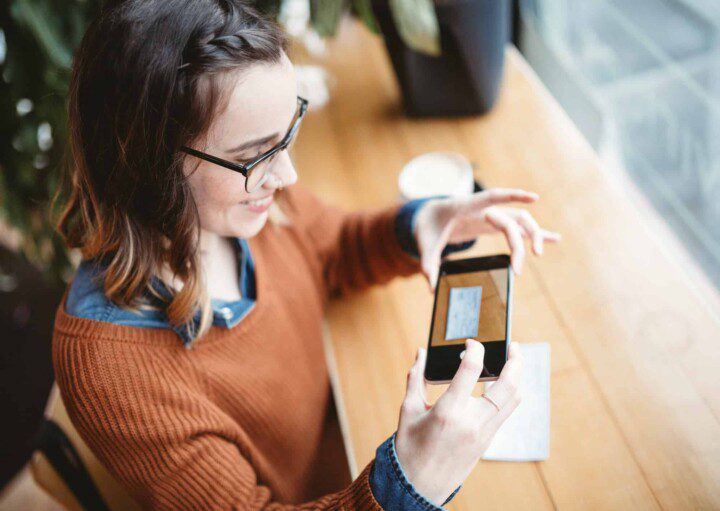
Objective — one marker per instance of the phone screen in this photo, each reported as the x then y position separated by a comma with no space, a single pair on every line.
470,304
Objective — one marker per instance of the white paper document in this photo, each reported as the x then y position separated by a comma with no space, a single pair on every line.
525,435
463,313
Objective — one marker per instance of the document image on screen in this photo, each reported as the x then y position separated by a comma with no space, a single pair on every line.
471,305
463,313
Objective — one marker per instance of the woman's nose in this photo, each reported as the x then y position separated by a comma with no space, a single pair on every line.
284,170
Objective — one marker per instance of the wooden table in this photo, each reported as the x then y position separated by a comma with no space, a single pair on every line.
633,325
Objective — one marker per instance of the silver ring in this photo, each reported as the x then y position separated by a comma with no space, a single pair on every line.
491,401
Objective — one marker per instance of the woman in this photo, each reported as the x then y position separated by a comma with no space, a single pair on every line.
188,346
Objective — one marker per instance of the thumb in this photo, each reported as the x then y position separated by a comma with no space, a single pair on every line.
415,401
431,263
431,253
430,270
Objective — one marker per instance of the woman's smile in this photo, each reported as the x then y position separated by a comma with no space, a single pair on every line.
258,205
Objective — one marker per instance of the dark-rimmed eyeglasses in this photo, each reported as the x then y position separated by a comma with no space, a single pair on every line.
255,173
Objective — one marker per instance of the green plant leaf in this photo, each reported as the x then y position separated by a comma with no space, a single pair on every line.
36,16
41,36
325,15
417,24
363,9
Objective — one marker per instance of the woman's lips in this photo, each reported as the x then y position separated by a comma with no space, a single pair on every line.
258,205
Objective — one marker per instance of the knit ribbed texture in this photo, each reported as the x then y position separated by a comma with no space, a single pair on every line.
239,420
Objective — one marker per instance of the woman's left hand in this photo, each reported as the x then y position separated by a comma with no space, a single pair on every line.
454,220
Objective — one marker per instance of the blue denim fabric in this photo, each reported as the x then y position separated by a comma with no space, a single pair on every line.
390,485
405,229
86,299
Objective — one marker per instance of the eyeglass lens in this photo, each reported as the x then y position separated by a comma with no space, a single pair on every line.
261,172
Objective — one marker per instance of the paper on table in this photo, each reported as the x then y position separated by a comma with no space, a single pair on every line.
525,435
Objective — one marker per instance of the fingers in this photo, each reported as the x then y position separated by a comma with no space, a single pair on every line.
551,236
467,375
512,371
503,222
532,229
415,396
505,391
496,196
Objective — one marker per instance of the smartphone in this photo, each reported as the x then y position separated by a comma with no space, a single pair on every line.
473,299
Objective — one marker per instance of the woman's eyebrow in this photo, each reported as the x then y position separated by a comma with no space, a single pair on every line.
253,143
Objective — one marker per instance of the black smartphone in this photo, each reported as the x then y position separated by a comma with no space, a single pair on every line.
473,299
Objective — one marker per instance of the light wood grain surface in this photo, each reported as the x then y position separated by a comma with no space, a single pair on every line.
633,325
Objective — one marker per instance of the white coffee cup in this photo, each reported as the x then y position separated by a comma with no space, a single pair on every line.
436,173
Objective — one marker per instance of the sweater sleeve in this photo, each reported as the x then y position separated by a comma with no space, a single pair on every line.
156,433
353,249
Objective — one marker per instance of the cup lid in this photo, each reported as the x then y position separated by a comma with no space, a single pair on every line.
436,173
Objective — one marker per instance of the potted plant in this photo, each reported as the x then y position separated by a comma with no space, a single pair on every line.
463,78
447,55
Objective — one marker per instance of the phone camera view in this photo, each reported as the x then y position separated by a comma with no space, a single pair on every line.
471,305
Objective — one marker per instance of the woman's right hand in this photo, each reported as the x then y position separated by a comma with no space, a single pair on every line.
439,445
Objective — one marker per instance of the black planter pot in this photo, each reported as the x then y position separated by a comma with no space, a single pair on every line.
465,79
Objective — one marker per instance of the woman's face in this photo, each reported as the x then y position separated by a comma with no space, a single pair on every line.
261,106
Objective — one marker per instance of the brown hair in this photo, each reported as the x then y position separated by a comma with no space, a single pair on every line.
146,80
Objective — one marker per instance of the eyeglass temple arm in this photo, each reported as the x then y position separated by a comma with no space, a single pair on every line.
290,134
296,125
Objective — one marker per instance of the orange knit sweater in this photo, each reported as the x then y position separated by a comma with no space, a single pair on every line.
240,421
